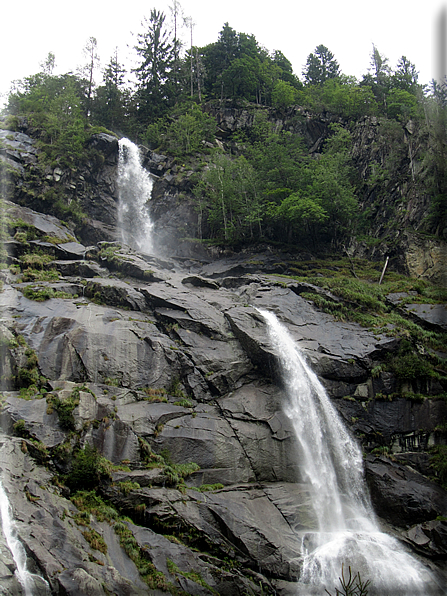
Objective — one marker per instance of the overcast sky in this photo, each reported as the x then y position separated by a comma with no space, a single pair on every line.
33,28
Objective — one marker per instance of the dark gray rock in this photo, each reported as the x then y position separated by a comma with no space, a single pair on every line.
46,224
106,144
429,538
402,496
84,269
432,315
17,148
115,293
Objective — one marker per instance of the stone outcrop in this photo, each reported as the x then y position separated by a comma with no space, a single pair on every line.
159,356
163,366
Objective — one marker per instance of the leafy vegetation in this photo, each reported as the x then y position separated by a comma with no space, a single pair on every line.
65,407
438,463
350,291
262,183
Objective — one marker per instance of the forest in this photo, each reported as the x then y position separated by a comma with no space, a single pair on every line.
261,182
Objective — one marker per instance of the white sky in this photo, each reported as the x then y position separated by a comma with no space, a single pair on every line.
348,28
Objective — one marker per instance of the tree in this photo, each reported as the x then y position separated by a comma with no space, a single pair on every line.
401,104
217,57
184,134
110,100
436,158
65,124
379,77
321,66
283,94
278,59
157,58
228,197
190,23
405,76
324,202
241,78
87,71
177,19
48,64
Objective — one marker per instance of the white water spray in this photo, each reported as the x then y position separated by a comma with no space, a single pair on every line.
331,462
30,582
134,190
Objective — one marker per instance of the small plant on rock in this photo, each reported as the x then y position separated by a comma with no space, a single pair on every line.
351,586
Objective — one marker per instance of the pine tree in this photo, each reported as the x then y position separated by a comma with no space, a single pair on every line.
109,104
321,66
379,77
156,51
405,76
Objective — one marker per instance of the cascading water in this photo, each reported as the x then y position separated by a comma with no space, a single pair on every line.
31,583
134,190
331,462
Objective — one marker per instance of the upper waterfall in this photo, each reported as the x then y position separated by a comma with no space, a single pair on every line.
134,190
331,462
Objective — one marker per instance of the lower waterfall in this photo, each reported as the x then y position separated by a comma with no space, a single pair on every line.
331,462
134,191
32,584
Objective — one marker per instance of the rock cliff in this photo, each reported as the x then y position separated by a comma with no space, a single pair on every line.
163,366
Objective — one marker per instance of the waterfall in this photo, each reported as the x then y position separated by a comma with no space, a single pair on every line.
134,190
331,462
31,583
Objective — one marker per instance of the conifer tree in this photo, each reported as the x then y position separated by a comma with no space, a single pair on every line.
155,48
321,66
109,104
88,69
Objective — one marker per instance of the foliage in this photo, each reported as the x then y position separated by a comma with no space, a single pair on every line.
438,463
341,96
86,471
65,407
364,301
321,66
149,573
284,94
93,504
191,575
228,196
210,487
95,540
325,202
155,50
41,293
185,134
351,586
111,101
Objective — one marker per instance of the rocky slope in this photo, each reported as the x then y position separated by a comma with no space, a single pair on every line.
164,367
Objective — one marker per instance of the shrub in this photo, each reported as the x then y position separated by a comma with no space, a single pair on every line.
85,469
438,463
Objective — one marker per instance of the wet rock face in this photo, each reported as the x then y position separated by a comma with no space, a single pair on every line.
402,496
158,364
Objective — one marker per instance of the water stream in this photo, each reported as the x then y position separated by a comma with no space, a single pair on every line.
32,584
331,462
134,191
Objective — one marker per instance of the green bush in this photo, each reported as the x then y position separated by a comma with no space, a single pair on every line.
85,469
438,463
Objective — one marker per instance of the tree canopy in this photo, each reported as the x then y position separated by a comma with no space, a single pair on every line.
260,183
